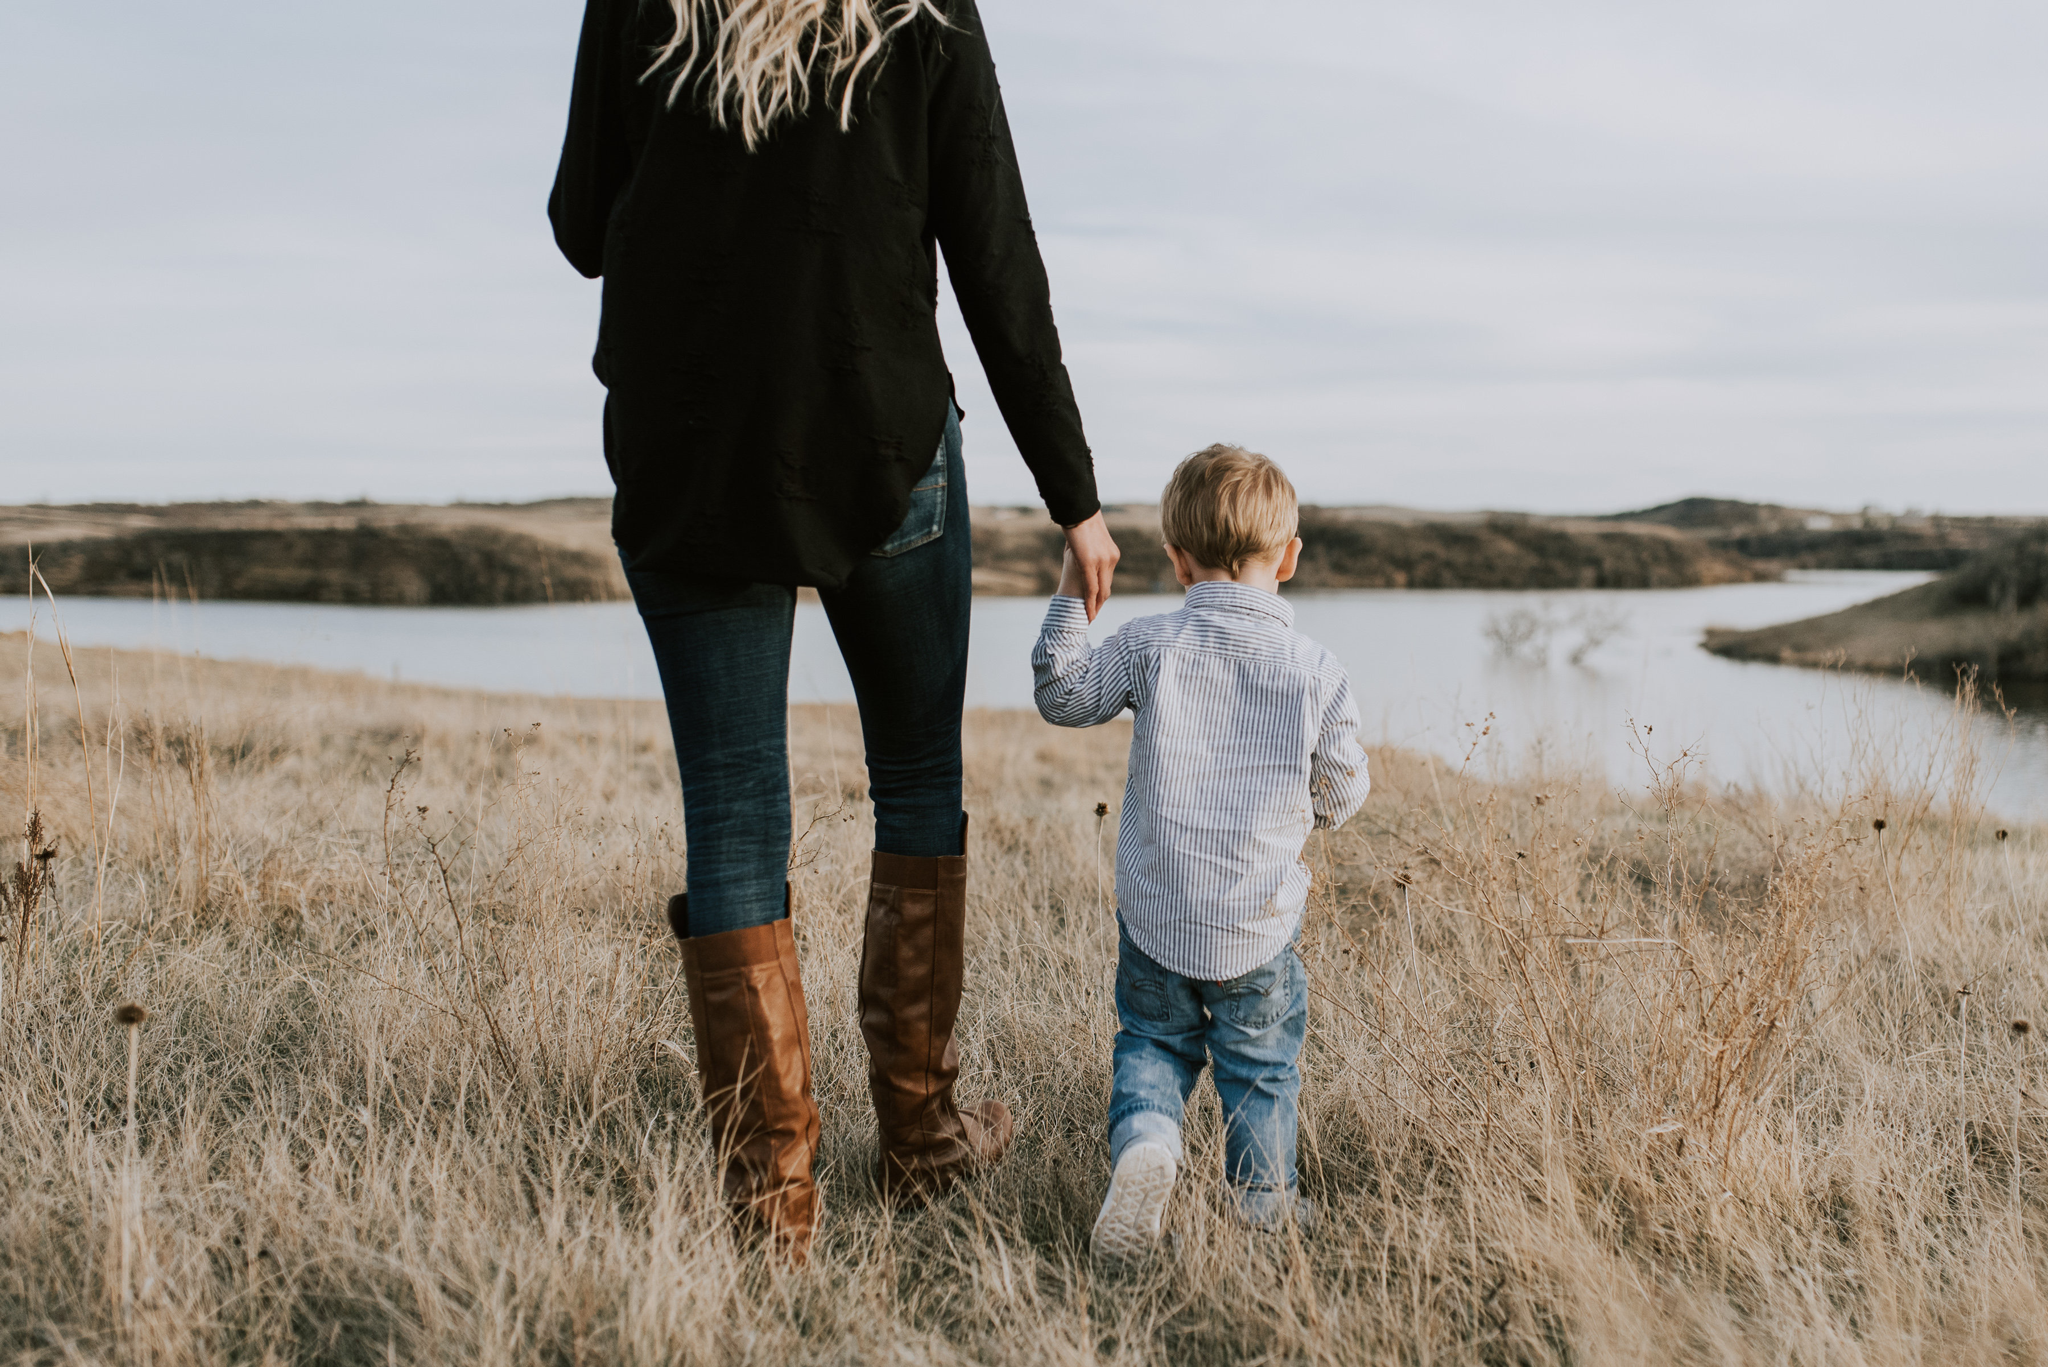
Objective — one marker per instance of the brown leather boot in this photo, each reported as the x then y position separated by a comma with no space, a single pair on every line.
912,960
754,1064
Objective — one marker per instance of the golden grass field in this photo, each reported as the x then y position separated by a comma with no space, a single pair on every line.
1592,1077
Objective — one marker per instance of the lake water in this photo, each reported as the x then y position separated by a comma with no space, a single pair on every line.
1428,668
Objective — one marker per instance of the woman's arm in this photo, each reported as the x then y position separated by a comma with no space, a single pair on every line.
596,161
978,211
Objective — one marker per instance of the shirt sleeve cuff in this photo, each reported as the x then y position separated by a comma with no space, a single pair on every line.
1066,614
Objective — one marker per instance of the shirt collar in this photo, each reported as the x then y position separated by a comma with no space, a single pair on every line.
1221,595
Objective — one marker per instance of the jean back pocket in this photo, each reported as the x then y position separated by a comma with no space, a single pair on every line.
926,520
1264,996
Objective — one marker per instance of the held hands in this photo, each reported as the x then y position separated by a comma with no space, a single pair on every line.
1089,563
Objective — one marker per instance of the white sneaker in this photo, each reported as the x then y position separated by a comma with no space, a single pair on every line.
1269,1211
1135,1210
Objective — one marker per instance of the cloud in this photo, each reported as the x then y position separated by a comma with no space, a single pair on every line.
1585,255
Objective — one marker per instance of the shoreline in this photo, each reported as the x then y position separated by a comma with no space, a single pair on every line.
1987,619
560,550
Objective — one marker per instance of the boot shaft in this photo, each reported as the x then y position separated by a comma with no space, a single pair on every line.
754,1065
913,962
913,957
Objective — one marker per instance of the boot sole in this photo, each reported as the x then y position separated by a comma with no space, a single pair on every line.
1134,1212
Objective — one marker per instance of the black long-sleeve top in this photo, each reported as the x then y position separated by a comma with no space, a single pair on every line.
769,340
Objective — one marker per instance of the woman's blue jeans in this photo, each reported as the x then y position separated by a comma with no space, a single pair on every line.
722,647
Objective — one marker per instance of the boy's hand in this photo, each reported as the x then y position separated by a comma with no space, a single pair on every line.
1089,563
1073,582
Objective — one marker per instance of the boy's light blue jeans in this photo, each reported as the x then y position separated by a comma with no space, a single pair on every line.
1250,1029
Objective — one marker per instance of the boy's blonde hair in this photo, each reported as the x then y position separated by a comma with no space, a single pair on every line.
1226,506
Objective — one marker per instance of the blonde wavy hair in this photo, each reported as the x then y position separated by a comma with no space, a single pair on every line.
754,60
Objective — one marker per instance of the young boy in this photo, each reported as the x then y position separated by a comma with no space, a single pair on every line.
1245,737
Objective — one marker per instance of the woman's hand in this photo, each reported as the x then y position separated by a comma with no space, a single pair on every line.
1089,563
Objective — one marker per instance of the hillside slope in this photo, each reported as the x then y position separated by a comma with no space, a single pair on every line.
1991,615
1812,539
1344,548
560,549
387,566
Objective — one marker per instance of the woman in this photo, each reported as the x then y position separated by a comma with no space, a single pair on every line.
763,185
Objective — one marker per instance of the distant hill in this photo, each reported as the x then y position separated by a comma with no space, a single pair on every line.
1016,551
560,549
1813,539
394,566
1718,515
1505,552
1991,614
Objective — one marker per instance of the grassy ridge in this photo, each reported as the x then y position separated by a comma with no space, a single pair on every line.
1653,1076
1808,538
1504,552
560,551
1990,616
400,566
1345,549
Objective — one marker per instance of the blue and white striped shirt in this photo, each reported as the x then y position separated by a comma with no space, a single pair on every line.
1245,738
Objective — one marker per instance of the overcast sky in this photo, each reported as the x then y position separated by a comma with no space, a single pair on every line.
1585,255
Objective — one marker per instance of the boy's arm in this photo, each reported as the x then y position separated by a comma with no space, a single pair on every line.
1338,781
1073,683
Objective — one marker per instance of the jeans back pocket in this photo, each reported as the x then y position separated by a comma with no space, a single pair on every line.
1264,996
926,520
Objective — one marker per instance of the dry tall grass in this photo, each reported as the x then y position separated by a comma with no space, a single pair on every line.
1591,1078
